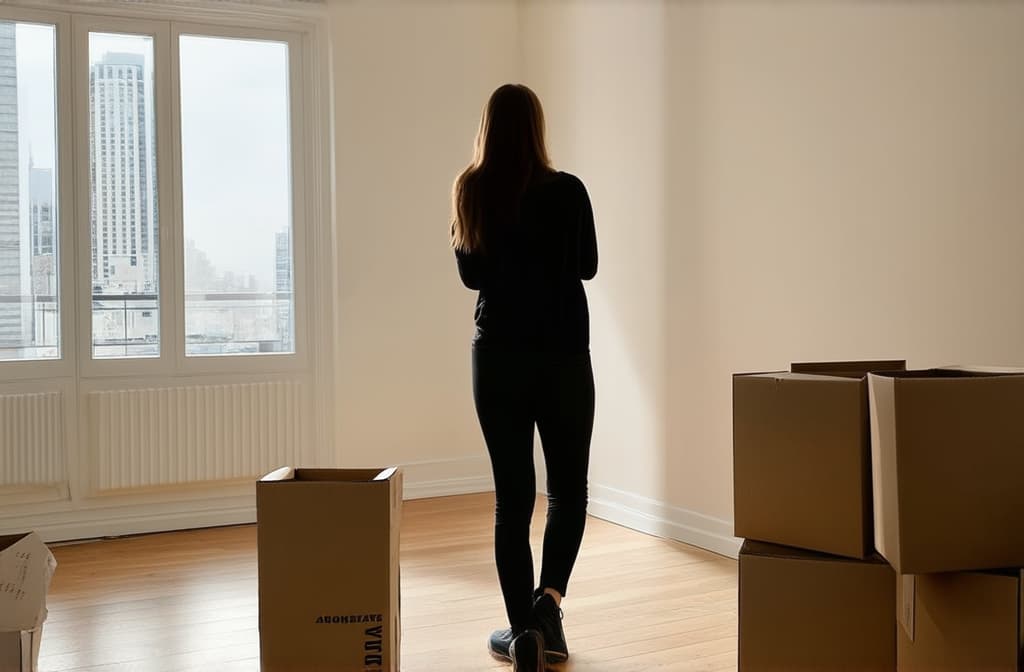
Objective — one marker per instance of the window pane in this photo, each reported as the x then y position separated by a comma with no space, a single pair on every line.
29,303
236,191
125,231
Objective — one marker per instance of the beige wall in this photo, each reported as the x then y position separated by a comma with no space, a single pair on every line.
776,182
771,181
598,68
857,195
410,79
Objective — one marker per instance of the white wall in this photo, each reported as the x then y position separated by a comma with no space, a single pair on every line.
771,181
599,70
778,182
858,195
410,80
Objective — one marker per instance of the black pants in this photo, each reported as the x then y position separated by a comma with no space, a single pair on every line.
513,392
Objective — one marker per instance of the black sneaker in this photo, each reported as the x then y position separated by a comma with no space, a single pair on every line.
527,651
548,617
499,644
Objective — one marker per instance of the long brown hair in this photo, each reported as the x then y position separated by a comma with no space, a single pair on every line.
508,153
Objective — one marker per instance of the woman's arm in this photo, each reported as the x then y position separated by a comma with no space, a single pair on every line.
470,268
588,237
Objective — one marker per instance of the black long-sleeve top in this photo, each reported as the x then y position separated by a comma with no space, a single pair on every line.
531,270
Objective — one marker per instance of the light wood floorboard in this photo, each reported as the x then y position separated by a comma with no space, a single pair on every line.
187,600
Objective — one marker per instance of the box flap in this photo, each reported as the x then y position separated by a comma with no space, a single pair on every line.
26,568
953,372
884,482
851,369
908,602
992,370
291,474
385,474
282,474
8,540
800,376
763,549
338,475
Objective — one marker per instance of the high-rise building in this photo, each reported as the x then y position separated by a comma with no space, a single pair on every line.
42,233
124,232
283,261
12,271
40,204
283,289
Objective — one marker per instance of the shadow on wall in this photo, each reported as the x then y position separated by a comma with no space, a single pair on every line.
774,183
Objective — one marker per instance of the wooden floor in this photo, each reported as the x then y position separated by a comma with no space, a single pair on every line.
187,600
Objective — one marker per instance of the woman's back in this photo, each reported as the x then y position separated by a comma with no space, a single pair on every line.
523,235
531,268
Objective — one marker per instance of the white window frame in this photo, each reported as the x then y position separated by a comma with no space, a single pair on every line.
63,366
76,373
167,112
297,87
159,32
302,26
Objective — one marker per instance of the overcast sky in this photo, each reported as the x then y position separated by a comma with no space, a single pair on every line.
235,149
235,172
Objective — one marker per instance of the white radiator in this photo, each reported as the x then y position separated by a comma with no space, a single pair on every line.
145,438
32,440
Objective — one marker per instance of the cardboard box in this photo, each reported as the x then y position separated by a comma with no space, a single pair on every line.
961,621
801,456
328,569
800,610
947,458
19,651
26,568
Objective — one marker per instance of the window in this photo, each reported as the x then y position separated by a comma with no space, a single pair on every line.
29,234
236,196
156,172
125,292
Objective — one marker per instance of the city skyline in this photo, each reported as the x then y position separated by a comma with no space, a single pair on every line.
236,195
35,62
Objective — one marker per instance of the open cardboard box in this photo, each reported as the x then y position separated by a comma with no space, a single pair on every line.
801,456
328,542
26,568
947,454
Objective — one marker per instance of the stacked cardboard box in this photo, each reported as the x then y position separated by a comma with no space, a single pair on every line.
816,597
801,610
947,458
838,461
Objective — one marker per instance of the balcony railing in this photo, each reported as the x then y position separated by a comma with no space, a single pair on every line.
29,327
125,325
216,323
128,325
230,323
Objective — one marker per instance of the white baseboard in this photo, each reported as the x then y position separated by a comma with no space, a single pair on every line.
663,520
98,524
441,478
434,478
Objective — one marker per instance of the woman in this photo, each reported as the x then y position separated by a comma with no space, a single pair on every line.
524,237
